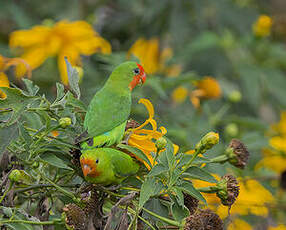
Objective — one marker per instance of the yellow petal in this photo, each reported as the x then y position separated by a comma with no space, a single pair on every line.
179,94
73,57
4,82
148,106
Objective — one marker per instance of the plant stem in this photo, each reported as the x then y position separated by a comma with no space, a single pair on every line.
197,152
210,189
51,222
166,220
130,188
5,193
141,218
219,159
71,195
39,186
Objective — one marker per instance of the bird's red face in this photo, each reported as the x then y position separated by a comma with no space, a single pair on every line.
88,167
139,77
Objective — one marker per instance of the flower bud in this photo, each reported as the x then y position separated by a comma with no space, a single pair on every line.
65,122
237,153
235,96
161,143
208,141
228,190
231,130
20,176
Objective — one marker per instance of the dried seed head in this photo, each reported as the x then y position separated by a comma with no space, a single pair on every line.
131,124
75,217
191,203
203,220
229,190
283,180
237,153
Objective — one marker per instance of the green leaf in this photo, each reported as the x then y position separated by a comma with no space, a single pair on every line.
187,187
156,206
32,89
17,102
179,212
60,91
24,134
136,152
147,190
7,135
73,79
157,170
179,195
72,101
195,172
52,159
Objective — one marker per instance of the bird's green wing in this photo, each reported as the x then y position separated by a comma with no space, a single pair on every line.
123,164
107,110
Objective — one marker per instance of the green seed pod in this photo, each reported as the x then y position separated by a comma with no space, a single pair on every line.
235,96
65,122
161,143
20,176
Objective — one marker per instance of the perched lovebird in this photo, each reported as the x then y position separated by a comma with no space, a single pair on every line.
107,166
110,107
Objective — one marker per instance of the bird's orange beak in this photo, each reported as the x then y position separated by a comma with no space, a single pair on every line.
142,75
86,170
140,78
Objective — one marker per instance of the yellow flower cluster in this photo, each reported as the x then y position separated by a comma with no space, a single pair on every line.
253,199
262,27
239,224
207,88
5,63
275,158
70,39
154,61
279,227
142,138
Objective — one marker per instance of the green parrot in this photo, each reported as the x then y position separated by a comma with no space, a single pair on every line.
110,107
107,166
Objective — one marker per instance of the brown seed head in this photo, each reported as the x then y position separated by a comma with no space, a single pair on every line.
203,220
229,190
238,153
75,217
191,203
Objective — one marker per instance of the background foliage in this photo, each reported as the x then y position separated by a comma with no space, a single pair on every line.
191,40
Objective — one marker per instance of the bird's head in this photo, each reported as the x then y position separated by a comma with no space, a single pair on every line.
127,75
89,166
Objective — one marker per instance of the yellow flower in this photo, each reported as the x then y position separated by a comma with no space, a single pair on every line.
179,94
70,39
279,227
239,224
262,27
142,138
253,199
154,61
5,63
275,159
207,88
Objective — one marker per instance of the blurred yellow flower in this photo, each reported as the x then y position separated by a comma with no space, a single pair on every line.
70,39
239,224
5,63
179,94
253,199
207,88
141,138
154,61
262,27
275,159
279,227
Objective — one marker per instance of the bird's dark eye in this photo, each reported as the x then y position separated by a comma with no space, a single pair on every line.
136,71
96,161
